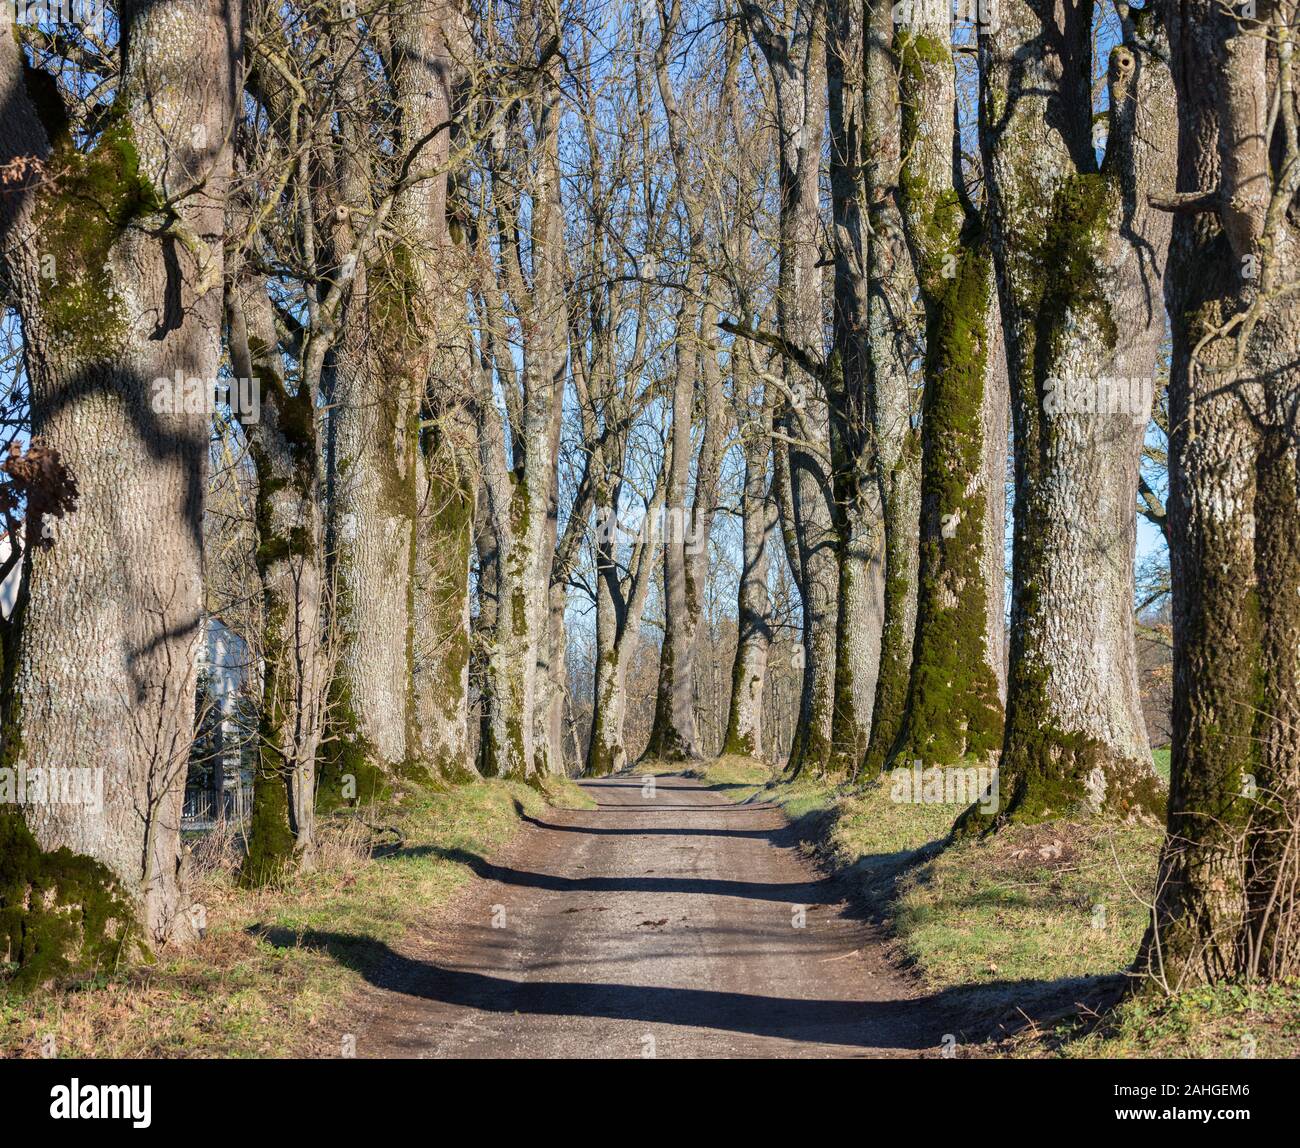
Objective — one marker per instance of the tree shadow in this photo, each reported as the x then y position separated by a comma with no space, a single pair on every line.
646,831
920,1024
816,892
597,783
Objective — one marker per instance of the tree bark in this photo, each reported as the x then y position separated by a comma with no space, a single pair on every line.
859,517
134,305
443,617
674,736
289,558
953,710
891,347
744,732
519,491
797,61
1078,252
1227,887
444,541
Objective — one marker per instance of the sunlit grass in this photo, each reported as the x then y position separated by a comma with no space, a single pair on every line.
250,988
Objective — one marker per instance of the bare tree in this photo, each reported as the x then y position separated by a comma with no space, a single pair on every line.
892,350
518,468
793,43
859,509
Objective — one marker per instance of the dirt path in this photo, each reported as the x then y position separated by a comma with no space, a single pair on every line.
664,925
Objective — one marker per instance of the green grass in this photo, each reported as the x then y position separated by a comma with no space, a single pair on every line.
1161,759
1035,904
1036,922
1041,903
1227,1021
265,982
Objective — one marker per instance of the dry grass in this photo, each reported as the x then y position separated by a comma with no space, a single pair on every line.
263,982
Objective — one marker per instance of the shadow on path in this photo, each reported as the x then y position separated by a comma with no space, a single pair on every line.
906,1025
822,892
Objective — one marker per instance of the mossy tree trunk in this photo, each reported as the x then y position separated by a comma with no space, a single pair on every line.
953,708
686,530
686,527
1227,888
673,735
1080,258
552,667
483,624
754,400
553,683
445,546
133,303
290,559
445,532
522,576
859,514
891,349
606,752
386,350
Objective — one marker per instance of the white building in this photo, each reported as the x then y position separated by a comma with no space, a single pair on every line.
9,590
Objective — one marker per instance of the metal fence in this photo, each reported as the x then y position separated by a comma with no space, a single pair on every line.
200,808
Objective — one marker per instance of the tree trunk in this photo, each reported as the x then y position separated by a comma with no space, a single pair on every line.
446,545
859,518
131,312
953,710
445,532
1227,889
519,496
891,348
606,752
289,559
744,734
798,66
554,685
619,605
673,736
1078,252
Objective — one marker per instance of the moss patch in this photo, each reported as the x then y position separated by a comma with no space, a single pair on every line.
91,198
60,912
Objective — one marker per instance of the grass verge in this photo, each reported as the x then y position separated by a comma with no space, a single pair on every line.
1227,1021
1027,934
247,989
